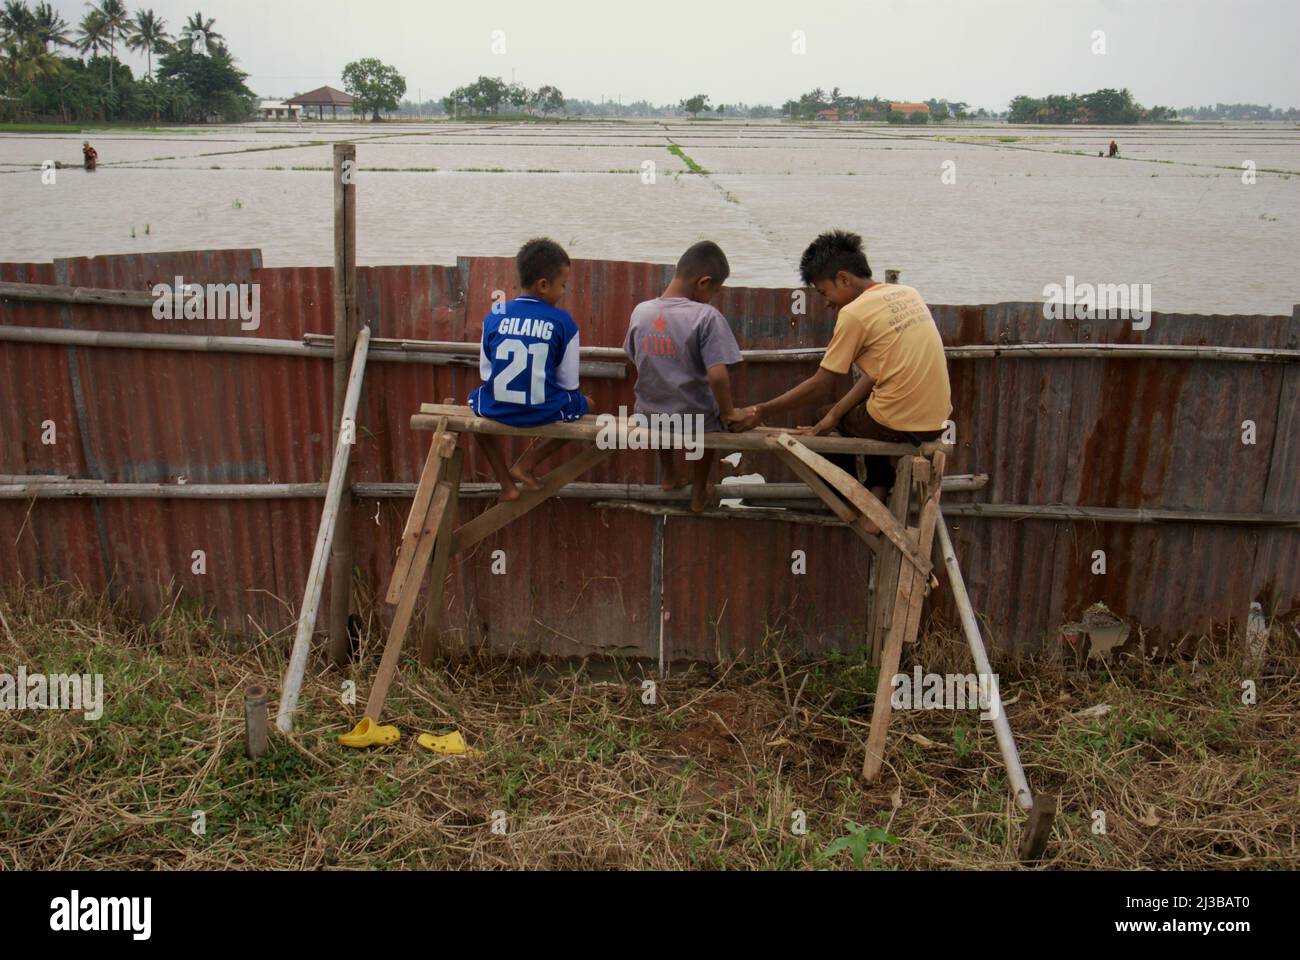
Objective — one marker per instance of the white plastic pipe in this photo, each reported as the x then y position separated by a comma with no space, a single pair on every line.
1001,728
324,538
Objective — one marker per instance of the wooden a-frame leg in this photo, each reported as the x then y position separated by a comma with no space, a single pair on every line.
439,452
906,621
882,614
427,511
441,560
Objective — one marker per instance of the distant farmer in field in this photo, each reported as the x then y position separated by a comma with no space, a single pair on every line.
89,156
886,330
1114,149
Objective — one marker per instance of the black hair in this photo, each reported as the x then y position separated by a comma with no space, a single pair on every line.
704,259
540,259
833,251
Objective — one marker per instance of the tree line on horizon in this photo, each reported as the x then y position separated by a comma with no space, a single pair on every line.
196,77
196,81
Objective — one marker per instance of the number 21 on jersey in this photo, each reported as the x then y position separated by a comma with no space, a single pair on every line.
518,356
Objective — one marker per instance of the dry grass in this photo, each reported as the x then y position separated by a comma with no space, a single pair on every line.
590,777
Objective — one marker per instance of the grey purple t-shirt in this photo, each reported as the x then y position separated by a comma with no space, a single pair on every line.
673,341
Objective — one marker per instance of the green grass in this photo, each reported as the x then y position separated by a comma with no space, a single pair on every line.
678,152
37,128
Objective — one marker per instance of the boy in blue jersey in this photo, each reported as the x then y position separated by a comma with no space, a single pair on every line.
528,359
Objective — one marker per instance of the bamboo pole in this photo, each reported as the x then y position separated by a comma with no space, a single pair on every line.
21,487
41,488
263,346
54,293
345,330
316,576
1001,727
603,359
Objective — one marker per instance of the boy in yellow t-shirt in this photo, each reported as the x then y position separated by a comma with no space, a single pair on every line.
886,330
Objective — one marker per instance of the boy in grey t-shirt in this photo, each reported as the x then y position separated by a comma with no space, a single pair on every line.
682,348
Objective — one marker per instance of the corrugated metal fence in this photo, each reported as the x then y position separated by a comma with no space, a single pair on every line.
1150,433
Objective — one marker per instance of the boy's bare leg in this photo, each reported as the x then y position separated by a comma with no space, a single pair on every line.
670,478
701,489
522,471
496,456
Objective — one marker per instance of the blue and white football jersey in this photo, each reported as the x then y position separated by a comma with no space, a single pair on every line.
528,359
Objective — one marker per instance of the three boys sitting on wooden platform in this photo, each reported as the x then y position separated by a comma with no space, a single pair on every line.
683,349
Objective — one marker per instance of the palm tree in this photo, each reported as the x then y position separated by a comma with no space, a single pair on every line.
150,35
92,35
117,24
16,20
50,27
196,24
26,61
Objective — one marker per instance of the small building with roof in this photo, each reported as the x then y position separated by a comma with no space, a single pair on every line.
321,98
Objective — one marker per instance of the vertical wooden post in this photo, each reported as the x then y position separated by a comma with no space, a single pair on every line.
345,331
255,720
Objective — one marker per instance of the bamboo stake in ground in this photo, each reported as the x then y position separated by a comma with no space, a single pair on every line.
320,556
255,720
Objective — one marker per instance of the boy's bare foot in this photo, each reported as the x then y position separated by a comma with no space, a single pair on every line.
524,478
700,502
508,493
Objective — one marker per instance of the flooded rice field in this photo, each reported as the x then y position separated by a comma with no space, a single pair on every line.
969,214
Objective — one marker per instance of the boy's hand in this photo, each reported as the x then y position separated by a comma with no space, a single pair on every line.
741,419
823,426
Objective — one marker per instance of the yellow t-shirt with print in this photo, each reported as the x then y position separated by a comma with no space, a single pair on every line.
889,333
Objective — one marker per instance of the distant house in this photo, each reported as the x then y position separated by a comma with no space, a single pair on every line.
320,99
905,107
827,115
278,110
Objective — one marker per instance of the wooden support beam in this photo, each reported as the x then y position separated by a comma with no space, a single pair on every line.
297,667
838,506
406,601
442,553
490,521
873,509
912,584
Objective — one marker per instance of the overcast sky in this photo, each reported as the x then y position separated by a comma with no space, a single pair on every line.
1169,52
